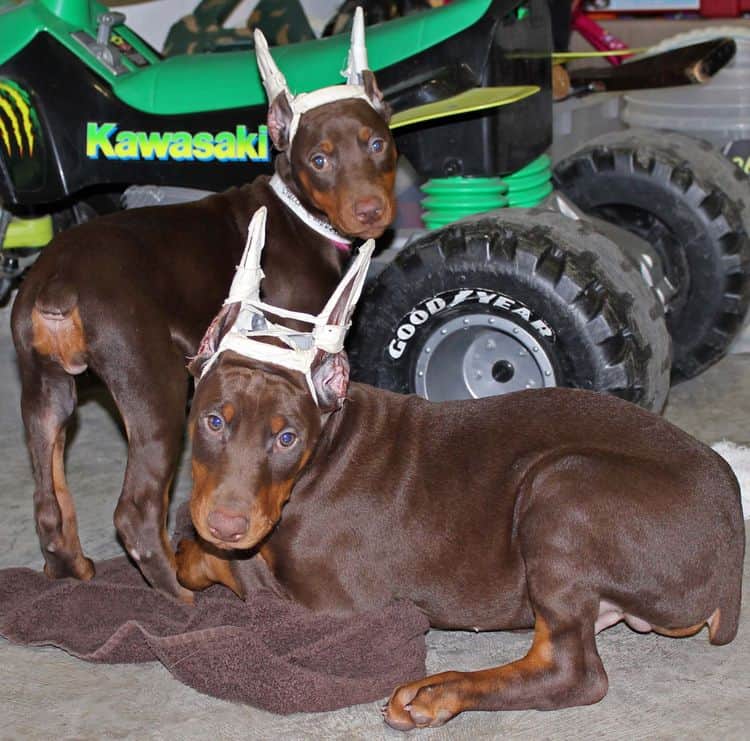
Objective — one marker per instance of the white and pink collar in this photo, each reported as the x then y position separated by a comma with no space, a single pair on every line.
316,224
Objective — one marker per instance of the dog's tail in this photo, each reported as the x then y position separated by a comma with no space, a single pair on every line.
57,328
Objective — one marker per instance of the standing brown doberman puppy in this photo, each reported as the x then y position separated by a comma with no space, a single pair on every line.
558,509
129,296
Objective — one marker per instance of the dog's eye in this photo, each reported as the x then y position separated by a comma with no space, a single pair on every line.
377,146
319,161
214,423
287,439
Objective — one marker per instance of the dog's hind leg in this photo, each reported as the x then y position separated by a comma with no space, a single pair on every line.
562,667
50,346
48,400
154,418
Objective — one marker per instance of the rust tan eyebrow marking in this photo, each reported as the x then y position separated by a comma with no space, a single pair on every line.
364,134
327,146
228,412
277,424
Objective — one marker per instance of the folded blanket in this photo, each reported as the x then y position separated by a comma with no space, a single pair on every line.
266,651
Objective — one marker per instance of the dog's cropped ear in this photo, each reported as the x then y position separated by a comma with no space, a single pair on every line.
279,120
221,324
330,377
376,97
330,369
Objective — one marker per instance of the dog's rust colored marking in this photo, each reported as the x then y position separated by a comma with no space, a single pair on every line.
434,700
678,632
387,181
266,510
82,567
267,504
204,482
199,567
62,493
201,477
712,622
327,202
277,424
60,338
364,134
228,412
540,656
305,180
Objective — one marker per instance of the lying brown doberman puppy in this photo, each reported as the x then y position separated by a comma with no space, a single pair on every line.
558,509
129,296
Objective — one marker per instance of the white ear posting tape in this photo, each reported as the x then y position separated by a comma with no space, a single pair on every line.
275,83
328,328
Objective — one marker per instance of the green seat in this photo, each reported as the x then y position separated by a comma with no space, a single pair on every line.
208,82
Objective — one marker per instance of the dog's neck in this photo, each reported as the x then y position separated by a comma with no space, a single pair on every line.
284,187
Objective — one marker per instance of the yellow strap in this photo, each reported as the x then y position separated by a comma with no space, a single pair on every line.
475,99
559,57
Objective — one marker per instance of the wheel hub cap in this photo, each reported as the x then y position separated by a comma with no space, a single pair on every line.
478,355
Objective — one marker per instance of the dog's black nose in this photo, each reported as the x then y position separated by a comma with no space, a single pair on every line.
368,210
226,526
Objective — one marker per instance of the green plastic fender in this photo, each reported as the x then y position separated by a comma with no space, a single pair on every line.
208,82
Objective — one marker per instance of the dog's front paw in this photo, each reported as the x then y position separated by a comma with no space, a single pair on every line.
427,703
190,567
199,566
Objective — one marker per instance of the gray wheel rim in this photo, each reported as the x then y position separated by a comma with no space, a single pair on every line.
476,355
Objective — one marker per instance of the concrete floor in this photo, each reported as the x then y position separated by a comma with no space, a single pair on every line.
659,687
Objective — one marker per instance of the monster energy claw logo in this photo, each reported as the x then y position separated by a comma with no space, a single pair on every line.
240,145
17,121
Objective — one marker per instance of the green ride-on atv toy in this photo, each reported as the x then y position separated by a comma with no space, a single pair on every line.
577,277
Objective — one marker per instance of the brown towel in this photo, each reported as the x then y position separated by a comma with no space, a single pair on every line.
268,652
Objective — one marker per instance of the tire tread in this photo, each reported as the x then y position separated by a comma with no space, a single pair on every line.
702,177
622,322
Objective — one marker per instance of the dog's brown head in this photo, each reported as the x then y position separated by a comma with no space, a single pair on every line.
253,428
341,162
262,393
337,154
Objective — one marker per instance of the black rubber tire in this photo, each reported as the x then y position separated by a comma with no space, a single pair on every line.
693,206
609,332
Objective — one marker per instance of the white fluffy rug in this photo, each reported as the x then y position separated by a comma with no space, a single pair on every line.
738,458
